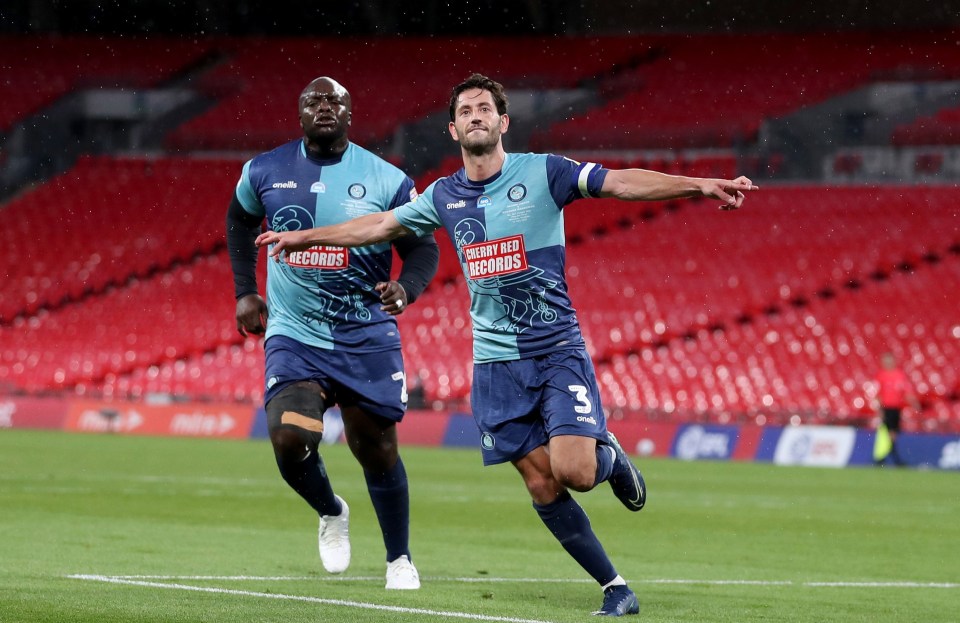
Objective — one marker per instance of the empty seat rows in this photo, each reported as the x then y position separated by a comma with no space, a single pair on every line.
818,361
230,372
698,266
108,219
183,312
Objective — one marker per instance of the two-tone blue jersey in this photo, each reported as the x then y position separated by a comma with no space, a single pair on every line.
509,236
324,297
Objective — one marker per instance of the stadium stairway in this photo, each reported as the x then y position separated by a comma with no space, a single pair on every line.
68,63
724,106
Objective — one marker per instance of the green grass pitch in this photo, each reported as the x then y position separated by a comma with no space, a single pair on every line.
213,535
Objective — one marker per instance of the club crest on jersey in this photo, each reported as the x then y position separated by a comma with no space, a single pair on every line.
321,257
357,191
484,201
516,193
318,187
495,257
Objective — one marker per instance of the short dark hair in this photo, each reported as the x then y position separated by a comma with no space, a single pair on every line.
479,81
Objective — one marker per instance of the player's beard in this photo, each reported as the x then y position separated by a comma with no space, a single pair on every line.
480,143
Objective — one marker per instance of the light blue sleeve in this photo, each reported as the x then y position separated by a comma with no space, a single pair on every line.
420,215
246,194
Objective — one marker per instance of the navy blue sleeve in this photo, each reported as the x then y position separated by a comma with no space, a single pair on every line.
242,231
570,180
405,194
420,256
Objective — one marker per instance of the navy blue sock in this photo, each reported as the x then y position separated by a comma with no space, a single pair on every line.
390,496
571,526
309,478
605,461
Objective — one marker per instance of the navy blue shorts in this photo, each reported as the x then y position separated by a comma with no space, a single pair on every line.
519,405
372,381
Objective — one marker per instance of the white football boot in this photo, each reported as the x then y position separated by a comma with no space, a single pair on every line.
402,575
335,540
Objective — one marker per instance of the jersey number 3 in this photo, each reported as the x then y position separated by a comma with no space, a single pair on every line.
580,393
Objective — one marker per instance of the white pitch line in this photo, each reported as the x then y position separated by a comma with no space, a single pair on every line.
305,598
232,578
346,578
803,584
719,582
883,584
481,580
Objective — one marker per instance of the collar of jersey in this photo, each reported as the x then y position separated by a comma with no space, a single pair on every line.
323,161
469,182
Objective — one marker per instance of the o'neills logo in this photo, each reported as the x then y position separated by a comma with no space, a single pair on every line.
320,257
495,257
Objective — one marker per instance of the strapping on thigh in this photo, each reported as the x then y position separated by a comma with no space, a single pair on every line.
298,419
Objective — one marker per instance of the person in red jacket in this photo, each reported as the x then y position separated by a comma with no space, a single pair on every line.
894,392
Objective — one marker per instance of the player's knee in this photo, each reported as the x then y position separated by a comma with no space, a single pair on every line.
295,418
289,443
543,488
579,476
372,439
376,458
578,481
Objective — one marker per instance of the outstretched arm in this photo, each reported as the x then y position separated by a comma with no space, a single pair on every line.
359,232
643,185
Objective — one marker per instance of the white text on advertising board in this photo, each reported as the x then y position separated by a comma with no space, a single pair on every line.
817,446
950,456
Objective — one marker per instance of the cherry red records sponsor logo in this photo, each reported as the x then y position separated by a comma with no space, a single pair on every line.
495,257
322,257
